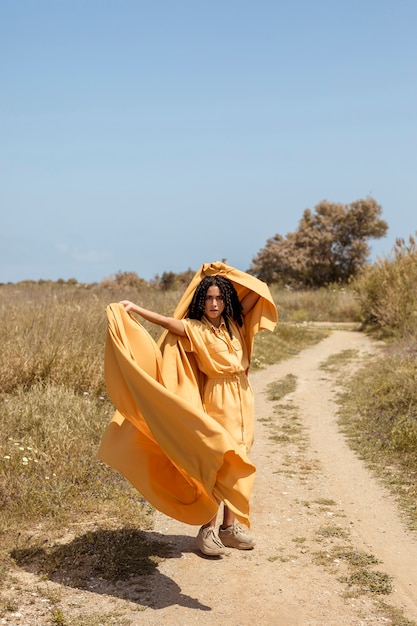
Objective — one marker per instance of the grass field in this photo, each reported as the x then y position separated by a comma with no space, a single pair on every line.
54,404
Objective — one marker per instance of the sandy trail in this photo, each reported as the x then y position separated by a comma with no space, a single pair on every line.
278,582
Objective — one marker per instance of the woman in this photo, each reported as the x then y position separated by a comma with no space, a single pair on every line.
204,360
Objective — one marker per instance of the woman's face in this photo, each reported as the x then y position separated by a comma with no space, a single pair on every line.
214,305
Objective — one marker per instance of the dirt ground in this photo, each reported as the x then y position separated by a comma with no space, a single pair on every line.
313,500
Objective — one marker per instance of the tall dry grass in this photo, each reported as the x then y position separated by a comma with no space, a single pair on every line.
387,295
53,333
327,304
54,407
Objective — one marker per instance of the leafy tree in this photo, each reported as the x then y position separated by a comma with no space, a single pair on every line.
329,246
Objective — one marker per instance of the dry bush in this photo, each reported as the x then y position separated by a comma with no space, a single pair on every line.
387,294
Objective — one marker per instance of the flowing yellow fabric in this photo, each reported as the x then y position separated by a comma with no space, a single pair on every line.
179,458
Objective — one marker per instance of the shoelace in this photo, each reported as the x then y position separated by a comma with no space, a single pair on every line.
238,529
215,538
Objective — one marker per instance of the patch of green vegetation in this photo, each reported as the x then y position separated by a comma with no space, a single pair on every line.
278,389
347,554
99,619
386,292
57,618
325,502
95,619
7,606
395,615
361,579
286,427
370,581
333,531
336,361
325,305
280,438
48,461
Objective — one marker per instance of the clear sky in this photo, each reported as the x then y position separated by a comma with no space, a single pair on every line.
156,135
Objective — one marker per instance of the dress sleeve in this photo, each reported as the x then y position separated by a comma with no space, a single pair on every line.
192,338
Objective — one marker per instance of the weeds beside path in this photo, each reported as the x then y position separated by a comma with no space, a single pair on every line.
331,548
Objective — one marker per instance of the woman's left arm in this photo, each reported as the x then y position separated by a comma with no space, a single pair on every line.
249,302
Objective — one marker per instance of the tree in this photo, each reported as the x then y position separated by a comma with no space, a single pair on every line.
329,246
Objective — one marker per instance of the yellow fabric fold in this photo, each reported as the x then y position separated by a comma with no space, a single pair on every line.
179,458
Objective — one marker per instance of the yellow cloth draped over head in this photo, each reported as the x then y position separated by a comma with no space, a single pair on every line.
160,438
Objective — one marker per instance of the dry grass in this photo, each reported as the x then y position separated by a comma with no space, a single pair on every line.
330,304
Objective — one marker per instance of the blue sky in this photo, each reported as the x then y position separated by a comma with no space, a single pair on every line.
156,136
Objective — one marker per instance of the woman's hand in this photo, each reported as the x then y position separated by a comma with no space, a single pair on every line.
128,305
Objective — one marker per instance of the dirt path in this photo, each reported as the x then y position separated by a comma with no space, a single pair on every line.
312,497
277,583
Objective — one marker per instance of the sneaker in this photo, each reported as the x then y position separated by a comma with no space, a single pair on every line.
208,542
236,536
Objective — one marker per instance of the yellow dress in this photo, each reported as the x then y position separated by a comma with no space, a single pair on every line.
171,436
226,393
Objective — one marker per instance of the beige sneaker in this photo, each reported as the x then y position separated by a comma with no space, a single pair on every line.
208,542
237,536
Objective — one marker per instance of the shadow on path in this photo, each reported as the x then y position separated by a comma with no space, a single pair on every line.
121,563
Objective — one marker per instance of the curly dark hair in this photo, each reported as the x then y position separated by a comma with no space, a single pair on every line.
232,306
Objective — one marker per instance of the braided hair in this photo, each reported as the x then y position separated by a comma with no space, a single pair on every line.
232,306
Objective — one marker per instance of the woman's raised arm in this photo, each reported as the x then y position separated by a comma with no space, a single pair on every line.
170,323
249,302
